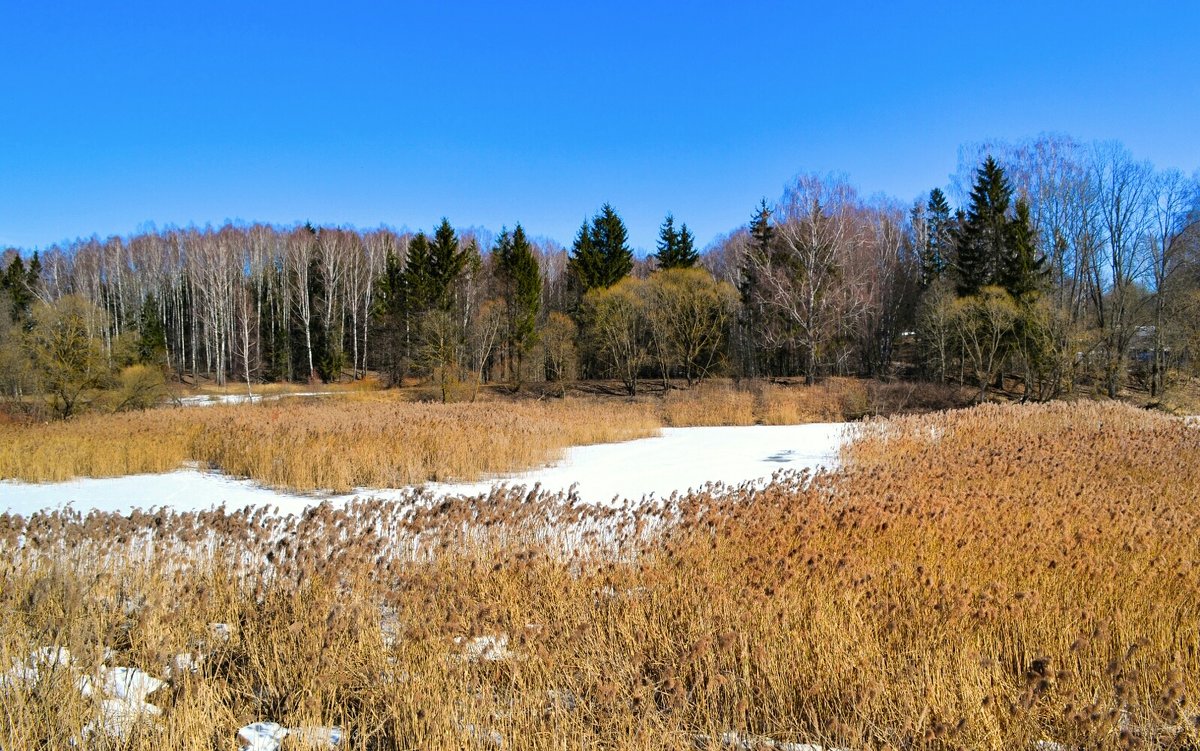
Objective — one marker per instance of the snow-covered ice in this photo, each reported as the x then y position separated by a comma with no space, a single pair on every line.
210,400
676,460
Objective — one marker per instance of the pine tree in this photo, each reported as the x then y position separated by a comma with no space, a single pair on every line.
983,239
675,247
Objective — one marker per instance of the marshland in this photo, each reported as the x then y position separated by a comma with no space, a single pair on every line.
621,376
956,582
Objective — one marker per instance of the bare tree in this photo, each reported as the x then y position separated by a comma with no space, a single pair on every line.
1174,201
804,278
1122,192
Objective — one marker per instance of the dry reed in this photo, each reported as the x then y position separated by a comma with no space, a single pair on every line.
994,578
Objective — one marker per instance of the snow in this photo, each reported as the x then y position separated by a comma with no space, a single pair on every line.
209,400
675,461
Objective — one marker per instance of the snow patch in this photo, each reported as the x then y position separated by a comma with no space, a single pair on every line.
678,460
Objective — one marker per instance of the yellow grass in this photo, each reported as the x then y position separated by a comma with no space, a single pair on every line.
985,579
352,439
326,443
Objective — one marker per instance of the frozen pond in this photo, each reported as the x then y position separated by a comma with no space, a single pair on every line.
679,459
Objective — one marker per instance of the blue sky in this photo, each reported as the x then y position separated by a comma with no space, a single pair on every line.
113,115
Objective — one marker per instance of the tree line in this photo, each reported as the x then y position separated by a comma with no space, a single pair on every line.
1067,266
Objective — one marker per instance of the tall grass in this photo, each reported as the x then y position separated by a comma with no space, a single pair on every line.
994,578
321,444
379,440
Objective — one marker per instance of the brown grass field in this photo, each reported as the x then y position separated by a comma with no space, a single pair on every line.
1004,577
383,439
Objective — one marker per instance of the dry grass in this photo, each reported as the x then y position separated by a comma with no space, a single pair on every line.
350,440
984,579
328,444
831,400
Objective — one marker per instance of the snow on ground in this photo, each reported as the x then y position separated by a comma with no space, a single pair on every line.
209,400
679,459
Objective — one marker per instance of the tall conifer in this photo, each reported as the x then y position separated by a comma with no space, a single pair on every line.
600,256
675,247
982,242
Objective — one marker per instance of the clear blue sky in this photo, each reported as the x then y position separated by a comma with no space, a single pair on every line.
117,114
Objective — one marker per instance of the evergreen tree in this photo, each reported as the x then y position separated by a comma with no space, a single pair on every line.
152,335
600,256
985,234
446,262
688,255
389,312
939,240
1022,270
15,281
675,247
518,271
762,245
585,262
419,285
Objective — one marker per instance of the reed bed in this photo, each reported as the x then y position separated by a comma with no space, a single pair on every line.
995,578
335,444
382,439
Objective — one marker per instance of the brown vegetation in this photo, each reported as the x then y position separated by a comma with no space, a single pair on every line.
320,444
986,579
383,440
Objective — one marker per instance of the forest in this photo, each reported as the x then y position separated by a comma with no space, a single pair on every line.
1066,267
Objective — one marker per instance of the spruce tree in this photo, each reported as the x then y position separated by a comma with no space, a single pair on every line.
517,268
1022,270
584,262
152,335
688,255
389,312
762,245
675,247
16,281
939,240
446,262
982,242
609,236
419,283
600,256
